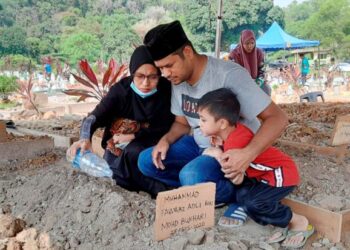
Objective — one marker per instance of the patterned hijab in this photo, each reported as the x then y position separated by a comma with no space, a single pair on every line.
250,61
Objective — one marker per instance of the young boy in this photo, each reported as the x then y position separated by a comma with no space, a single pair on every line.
268,179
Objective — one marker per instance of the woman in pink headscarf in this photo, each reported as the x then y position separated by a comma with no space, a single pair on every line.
251,58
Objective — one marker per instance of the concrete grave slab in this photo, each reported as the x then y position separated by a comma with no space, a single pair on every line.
25,149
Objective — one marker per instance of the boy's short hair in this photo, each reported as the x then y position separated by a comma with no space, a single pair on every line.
222,104
165,39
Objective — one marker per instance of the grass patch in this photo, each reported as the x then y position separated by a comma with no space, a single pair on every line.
8,105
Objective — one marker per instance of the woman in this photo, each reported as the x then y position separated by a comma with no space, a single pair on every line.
252,58
135,114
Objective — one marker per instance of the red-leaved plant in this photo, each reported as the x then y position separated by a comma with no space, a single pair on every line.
112,75
25,91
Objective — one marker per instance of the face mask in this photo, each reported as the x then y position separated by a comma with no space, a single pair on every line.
140,93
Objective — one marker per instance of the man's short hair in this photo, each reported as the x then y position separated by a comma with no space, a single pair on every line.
165,39
222,104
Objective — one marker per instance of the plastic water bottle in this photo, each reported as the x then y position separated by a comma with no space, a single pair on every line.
91,164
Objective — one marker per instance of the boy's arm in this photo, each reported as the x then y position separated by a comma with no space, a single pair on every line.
179,128
274,121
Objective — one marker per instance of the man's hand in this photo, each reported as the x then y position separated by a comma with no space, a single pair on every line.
235,161
159,153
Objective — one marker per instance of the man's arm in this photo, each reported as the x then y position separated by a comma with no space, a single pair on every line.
274,121
179,128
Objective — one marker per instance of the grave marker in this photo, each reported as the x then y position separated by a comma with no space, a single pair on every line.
341,132
183,209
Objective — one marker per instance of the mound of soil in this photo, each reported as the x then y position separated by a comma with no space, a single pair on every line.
77,211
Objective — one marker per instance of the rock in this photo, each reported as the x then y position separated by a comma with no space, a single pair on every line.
10,226
27,235
325,241
74,242
237,245
13,245
331,202
3,244
6,209
196,236
179,244
316,244
265,246
209,237
49,115
30,245
44,241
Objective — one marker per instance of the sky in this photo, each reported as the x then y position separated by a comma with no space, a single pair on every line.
284,3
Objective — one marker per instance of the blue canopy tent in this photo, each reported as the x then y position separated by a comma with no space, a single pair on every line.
275,38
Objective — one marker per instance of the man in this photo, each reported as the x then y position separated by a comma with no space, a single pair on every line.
177,159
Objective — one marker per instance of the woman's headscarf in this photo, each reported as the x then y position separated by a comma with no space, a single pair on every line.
250,61
139,57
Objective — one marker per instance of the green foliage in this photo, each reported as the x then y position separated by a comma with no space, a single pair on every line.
7,105
200,18
12,40
34,28
16,62
324,20
7,86
117,38
81,46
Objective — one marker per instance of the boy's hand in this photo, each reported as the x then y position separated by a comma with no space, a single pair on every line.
235,161
216,141
238,179
159,153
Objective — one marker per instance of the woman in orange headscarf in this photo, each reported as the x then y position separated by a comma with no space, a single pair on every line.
251,58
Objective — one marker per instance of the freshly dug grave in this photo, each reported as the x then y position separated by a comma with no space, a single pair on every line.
66,125
324,183
309,122
312,123
80,212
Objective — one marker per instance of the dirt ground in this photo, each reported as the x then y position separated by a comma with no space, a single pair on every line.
74,211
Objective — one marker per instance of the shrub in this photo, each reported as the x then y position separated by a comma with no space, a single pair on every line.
7,86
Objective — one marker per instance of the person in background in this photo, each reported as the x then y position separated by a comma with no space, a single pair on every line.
135,114
47,70
251,58
270,177
304,68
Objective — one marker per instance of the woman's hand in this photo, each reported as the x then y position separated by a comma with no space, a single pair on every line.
83,144
123,138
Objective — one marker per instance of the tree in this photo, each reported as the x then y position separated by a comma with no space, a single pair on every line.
118,37
81,46
12,40
325,20
200,21
7,86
